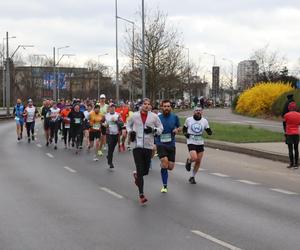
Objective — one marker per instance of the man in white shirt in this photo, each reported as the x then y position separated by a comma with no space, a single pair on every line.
30,115
193,130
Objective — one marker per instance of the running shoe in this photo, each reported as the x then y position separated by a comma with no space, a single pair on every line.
188,165
19,138
96,158
290,166
47,144
80,147
192,180
296,166
28,140
55,147
143,200
111,166
32,138
164,190
128,148
135,177
100,153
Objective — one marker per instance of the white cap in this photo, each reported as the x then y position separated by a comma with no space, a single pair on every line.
102,96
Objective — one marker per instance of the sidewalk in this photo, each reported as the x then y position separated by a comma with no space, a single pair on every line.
276,151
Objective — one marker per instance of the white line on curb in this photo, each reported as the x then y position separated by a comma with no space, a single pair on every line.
70,169
220,175
50,155
107,190
248,182
283,191
219,242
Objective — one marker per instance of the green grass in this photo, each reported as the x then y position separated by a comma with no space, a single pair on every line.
240,133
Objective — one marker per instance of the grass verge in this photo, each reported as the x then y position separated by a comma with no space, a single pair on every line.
240,133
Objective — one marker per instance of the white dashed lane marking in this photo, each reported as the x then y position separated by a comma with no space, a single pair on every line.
220,175
248,182
214,240
50,155
283,191
70,169
39,145
109,191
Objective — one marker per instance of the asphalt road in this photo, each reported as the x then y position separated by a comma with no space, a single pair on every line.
226,116
58,200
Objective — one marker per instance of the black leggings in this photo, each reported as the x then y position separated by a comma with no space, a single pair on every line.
67,135
112,141
30,128
54,127
293,142
77,135
142,160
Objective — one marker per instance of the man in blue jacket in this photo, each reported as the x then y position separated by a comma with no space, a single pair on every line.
18,113
165,143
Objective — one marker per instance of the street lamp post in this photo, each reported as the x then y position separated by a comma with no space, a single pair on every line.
117,55
133,48
98,75
58,49
143,50
3,72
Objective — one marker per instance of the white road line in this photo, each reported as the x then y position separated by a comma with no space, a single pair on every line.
70,169
248,182
50,155
212,239
39,145
220,175
180,163
283,191
107,190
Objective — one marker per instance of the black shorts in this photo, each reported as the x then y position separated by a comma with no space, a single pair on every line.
46,124
94,134
168,152
197,148
103,130
292,139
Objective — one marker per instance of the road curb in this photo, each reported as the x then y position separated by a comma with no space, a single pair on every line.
232,147
5,117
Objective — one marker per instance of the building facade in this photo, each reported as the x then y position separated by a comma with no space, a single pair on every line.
247,74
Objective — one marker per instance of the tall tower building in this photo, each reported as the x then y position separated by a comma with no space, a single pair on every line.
247,74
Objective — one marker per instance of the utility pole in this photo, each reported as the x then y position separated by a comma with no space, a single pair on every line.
7,78
143,50
117,56
54,76
3,76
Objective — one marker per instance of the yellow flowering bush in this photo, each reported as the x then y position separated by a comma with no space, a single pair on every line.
258,100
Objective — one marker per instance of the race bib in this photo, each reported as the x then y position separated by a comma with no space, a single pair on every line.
96,126
67,125
197,138
77,120
165,137
17,118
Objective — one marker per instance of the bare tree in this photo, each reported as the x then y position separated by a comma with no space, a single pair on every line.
164,60
270,63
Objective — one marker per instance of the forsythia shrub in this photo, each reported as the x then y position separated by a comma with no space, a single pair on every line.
258,100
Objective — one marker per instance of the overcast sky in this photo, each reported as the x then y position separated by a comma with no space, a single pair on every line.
227,28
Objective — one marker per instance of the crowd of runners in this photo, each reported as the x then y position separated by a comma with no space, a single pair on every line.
101,125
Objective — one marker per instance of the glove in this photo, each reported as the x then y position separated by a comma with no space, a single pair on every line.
208,131
132,136
148,130
187,136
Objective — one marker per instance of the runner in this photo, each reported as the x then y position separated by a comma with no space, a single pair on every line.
114,125
103,111
76,122
292,121
193,130
86,124
30,115
18,113
46,118
142,126
165,143
123,110
96,121
54,123
66,124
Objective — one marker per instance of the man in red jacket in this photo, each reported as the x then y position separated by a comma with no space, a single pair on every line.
292,119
